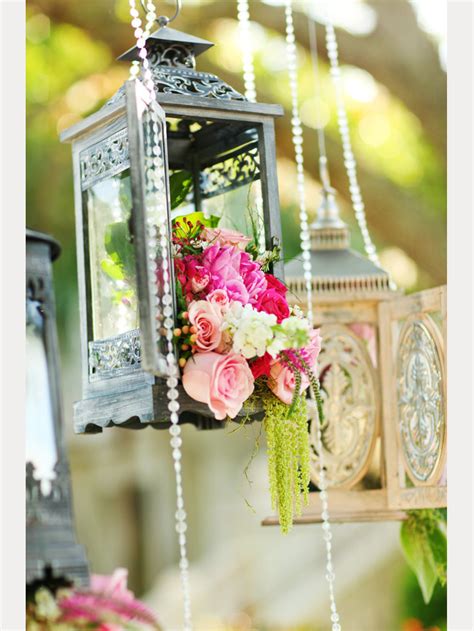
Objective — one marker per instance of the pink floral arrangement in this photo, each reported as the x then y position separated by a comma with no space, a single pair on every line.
107,605
236,326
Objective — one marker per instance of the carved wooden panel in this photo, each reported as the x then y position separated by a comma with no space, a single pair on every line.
350,395
420,399
414,395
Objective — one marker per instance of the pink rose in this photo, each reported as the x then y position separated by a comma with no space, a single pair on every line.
273,302
224,236
253,277
219,298
207,320
223,382
282,381
311,352
193,277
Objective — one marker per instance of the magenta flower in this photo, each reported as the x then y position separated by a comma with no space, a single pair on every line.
108,604
253,277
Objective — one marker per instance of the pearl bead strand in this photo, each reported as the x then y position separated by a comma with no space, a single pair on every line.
305,246
157,219
349,159
245,40
297,131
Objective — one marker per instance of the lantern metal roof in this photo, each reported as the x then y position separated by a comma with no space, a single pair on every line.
172,56
170,38
337,269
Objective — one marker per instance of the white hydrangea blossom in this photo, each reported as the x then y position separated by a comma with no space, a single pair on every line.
255,332
252,330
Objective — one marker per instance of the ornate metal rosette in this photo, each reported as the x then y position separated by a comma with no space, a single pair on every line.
350,396
421,399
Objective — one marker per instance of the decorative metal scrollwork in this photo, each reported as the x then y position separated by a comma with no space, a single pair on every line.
232,172
115,356
172,55
351,406
188,82
192,83
420,400
106,158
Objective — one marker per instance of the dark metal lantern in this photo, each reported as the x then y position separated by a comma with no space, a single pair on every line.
225,147
53,556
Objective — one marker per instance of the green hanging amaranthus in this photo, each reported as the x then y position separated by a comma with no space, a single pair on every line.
288,449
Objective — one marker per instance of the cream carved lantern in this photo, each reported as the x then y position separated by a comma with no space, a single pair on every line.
382,374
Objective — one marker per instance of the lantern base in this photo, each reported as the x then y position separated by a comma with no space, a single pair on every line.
144,405
345,506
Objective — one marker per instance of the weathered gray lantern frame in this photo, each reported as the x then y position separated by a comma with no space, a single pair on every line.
53,556
230,129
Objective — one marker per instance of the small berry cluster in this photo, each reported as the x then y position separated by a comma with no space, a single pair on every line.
185,339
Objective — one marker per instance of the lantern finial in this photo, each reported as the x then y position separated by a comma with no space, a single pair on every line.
328,231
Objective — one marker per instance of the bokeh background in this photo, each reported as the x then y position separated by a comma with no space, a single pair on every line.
246,577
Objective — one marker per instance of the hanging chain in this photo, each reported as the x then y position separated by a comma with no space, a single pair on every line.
349,159
297,131
154,157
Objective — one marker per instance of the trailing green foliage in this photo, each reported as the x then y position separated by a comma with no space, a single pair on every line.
288,456
424,544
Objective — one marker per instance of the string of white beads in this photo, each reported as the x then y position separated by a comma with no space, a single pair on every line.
245,41
297,136
157,219
305,247
349,159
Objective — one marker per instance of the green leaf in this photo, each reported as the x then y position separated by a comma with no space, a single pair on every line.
119,247
439,548
419,557
180,185
213,221
112,269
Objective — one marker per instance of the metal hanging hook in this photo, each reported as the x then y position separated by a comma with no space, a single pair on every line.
163,20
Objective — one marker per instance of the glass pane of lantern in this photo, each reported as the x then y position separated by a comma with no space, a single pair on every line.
41,447
231,190
151,225
111,257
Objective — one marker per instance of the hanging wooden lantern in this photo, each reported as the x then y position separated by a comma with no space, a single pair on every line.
216,151
382,372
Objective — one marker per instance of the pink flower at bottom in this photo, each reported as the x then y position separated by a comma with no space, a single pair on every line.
107,603
223,382
282,381
114,585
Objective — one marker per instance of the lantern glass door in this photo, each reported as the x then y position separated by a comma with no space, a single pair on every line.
111,257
